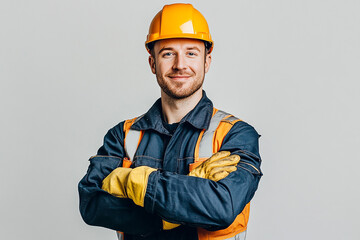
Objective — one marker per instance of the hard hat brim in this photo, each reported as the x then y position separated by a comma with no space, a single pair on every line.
201,37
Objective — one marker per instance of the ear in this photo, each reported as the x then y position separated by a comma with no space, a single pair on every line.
207,62
152,64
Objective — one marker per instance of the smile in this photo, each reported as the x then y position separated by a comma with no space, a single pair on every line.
179,77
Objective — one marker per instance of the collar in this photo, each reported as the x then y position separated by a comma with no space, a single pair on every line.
199,117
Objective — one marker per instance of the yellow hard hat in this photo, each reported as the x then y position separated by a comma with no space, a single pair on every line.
179,20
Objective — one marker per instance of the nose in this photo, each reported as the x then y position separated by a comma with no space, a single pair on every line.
180,62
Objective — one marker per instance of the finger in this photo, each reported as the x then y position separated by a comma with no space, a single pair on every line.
217,156
229,161
218,176
232,158
235,157
221,172
227,169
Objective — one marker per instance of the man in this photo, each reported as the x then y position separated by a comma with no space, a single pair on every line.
183,170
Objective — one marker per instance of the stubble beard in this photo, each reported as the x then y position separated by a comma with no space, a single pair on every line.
175,90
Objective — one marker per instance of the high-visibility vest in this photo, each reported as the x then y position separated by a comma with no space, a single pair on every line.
208,143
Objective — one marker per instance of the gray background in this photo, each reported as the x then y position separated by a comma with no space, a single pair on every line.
72,69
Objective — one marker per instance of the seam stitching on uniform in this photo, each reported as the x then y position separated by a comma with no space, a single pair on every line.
251,166
248,153
139,156
248,170
154,197
181,159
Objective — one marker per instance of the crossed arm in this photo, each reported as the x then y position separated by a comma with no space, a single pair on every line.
176,198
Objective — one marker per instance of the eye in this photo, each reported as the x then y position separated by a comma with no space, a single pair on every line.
167,54
192,54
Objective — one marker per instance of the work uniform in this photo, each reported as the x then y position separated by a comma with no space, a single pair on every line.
171,195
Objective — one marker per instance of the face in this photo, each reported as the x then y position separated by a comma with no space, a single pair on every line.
180,66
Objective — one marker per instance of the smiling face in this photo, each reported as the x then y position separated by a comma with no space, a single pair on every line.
180,66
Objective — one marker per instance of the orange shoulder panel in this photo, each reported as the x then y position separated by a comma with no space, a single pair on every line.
220,133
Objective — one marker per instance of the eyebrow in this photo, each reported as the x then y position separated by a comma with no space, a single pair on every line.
169,48
164,49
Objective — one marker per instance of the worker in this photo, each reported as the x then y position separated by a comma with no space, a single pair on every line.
184,169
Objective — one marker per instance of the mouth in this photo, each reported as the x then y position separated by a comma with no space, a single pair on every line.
179,77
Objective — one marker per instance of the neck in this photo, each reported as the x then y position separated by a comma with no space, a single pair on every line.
175,109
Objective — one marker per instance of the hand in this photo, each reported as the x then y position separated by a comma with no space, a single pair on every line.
128,183
115,182
137,182
217,167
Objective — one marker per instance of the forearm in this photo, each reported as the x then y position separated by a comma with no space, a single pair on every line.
204,203
102,209
99,208
199,202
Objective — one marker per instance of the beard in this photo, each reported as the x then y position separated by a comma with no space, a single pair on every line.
176,90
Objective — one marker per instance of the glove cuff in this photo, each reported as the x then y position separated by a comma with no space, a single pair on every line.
137,183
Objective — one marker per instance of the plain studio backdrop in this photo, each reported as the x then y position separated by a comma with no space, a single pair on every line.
72,69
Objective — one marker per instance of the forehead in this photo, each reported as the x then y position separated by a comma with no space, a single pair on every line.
179,43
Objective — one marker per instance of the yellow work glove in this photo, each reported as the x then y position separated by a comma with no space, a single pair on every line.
137,182
115,182
169,225
217,167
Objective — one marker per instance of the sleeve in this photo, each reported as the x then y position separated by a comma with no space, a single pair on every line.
204,203
99,208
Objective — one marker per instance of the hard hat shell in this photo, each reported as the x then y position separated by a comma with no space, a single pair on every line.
179,20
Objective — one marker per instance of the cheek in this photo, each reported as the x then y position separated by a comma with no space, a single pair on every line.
164,67
199,68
